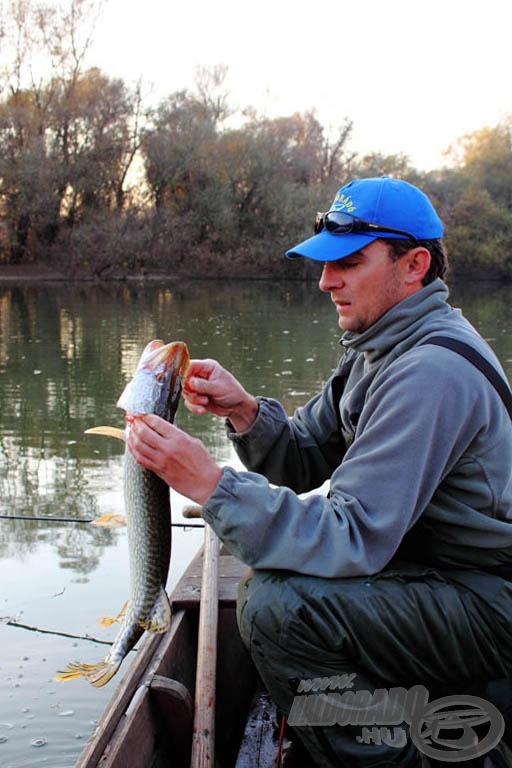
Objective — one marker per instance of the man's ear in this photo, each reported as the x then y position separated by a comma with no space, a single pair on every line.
418,263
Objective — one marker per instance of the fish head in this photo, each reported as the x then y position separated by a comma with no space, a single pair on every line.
156,384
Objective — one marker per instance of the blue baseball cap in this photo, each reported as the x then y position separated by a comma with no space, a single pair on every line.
389,202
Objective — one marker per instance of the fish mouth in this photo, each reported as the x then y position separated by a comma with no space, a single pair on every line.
170,363
159,355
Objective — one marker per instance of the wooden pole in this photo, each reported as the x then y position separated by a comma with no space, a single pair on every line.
203,736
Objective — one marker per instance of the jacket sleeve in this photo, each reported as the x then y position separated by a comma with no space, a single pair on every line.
300,452
303,451
419,417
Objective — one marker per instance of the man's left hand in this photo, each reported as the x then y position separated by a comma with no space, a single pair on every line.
182,461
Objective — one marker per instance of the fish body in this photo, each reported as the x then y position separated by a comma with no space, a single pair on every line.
155,388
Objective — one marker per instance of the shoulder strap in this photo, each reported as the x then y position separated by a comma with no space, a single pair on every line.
467,351
339,382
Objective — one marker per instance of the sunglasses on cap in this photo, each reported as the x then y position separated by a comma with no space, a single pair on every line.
340,223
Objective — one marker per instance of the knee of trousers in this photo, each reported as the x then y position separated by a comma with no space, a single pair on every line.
261,609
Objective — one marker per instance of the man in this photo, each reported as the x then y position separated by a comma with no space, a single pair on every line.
399,578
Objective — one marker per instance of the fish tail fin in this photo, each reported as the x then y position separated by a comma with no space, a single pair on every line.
96,674
160,617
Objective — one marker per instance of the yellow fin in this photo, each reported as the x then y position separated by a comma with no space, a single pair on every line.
107,431
107,621
160,618
111,520
95,674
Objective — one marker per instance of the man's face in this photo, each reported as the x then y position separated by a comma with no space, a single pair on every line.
364,285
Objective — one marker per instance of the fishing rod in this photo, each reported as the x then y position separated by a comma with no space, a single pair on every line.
10,622
80,520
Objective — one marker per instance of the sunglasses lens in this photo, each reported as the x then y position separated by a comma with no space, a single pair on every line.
319,223
338,222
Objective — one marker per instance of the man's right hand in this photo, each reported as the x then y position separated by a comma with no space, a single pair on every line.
210,388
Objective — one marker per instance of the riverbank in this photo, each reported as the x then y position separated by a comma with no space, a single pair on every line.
29,272
39,273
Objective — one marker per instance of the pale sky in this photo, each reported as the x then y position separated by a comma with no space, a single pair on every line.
412,76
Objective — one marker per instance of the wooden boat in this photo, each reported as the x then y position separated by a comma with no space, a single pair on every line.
149,720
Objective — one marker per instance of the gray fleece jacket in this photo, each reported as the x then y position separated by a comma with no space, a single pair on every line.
415,442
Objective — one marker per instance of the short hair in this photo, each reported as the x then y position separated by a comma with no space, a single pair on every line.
439,258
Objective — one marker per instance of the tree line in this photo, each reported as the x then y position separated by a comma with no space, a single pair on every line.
96,183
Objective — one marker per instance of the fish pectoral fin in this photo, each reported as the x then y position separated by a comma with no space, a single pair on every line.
160,618
96,674
107,621
120,434
110,520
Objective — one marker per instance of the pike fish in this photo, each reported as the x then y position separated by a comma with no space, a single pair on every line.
155,388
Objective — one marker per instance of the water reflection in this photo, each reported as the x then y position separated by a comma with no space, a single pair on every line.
65,354
488,306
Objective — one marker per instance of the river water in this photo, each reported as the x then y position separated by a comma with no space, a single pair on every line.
66,351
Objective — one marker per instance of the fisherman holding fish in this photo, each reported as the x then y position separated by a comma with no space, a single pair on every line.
402,575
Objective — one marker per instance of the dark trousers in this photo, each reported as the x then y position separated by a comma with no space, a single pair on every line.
447,633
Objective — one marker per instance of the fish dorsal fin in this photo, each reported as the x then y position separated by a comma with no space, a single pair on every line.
160,617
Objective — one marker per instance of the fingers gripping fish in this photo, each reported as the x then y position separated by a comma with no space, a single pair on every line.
155,388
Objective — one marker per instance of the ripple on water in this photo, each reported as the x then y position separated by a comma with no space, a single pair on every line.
43,723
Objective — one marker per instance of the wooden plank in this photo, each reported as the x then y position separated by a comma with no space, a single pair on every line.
176,713
203,735
187,593
175,657
133,745
117,705
156,703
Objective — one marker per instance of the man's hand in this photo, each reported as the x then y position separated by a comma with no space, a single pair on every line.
182,461
210,388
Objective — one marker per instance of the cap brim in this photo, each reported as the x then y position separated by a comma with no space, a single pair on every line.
328,247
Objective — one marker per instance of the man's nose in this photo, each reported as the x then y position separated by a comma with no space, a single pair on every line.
330,278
